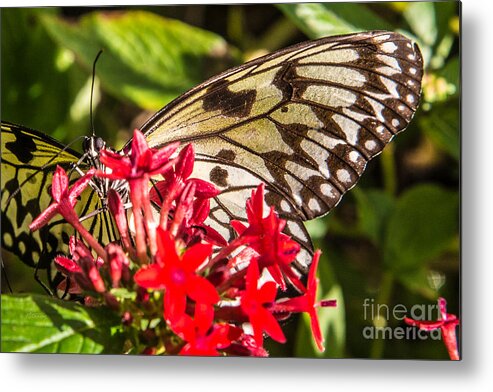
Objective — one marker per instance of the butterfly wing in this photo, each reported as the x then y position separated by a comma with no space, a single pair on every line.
304,120
29,159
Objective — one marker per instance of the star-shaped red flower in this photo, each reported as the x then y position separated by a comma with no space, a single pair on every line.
276,251
447,324
255,303
308,302
64,198
142,161
202,337
177,276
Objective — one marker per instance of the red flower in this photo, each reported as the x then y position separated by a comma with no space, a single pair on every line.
201,338
117,209
64,198
276,251
82,268
176,179
255,302
141,162
177,183
64,203
137,168
118,264
206,299
177,275
245,345
308,302
447,324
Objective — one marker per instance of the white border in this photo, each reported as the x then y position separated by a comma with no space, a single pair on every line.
84,373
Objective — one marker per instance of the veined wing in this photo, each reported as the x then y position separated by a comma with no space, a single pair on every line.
29,159
304,120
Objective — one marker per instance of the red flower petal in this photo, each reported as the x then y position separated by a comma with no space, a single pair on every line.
267,293
201,290
59,184
116,162
200,210
80,185
238,226
175,302
204,189
139,146
161,158
424,325
185,161
166,247
271,326
214,237
195,256
44,217
67,266
316,332
203,317
150,277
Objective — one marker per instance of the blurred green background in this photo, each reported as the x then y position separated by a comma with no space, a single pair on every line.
394,239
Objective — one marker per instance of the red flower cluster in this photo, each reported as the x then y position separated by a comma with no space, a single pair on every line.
175,280
447,324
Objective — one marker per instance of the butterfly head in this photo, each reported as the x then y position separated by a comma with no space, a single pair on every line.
93,145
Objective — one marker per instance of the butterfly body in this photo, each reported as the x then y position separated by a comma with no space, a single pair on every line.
304,120
92,146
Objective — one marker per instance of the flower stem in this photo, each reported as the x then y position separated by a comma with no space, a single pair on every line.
91,241
450,340
389,170
140,241
377,346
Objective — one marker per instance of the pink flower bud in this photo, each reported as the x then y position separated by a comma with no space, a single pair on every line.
118,263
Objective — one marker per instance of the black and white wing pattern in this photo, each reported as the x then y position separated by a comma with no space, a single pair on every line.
29,159
304,120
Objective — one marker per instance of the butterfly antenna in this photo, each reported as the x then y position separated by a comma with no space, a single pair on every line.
92,89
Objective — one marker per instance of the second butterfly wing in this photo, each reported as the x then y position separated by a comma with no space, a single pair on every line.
29,159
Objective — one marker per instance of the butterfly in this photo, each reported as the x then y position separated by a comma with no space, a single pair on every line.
304,120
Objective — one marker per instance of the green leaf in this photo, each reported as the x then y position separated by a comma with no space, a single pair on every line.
35,81
421,18
420,228
374,207
318,20
441,125
451,73
445,13
418,281
147,59
317,228
42,324
359,15
315,20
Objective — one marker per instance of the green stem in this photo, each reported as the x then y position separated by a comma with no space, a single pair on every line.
279,34
235,26
377,346
389,174
389,171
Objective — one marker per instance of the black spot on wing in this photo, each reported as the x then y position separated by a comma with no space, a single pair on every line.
219,176
231,104
228,155
22,147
